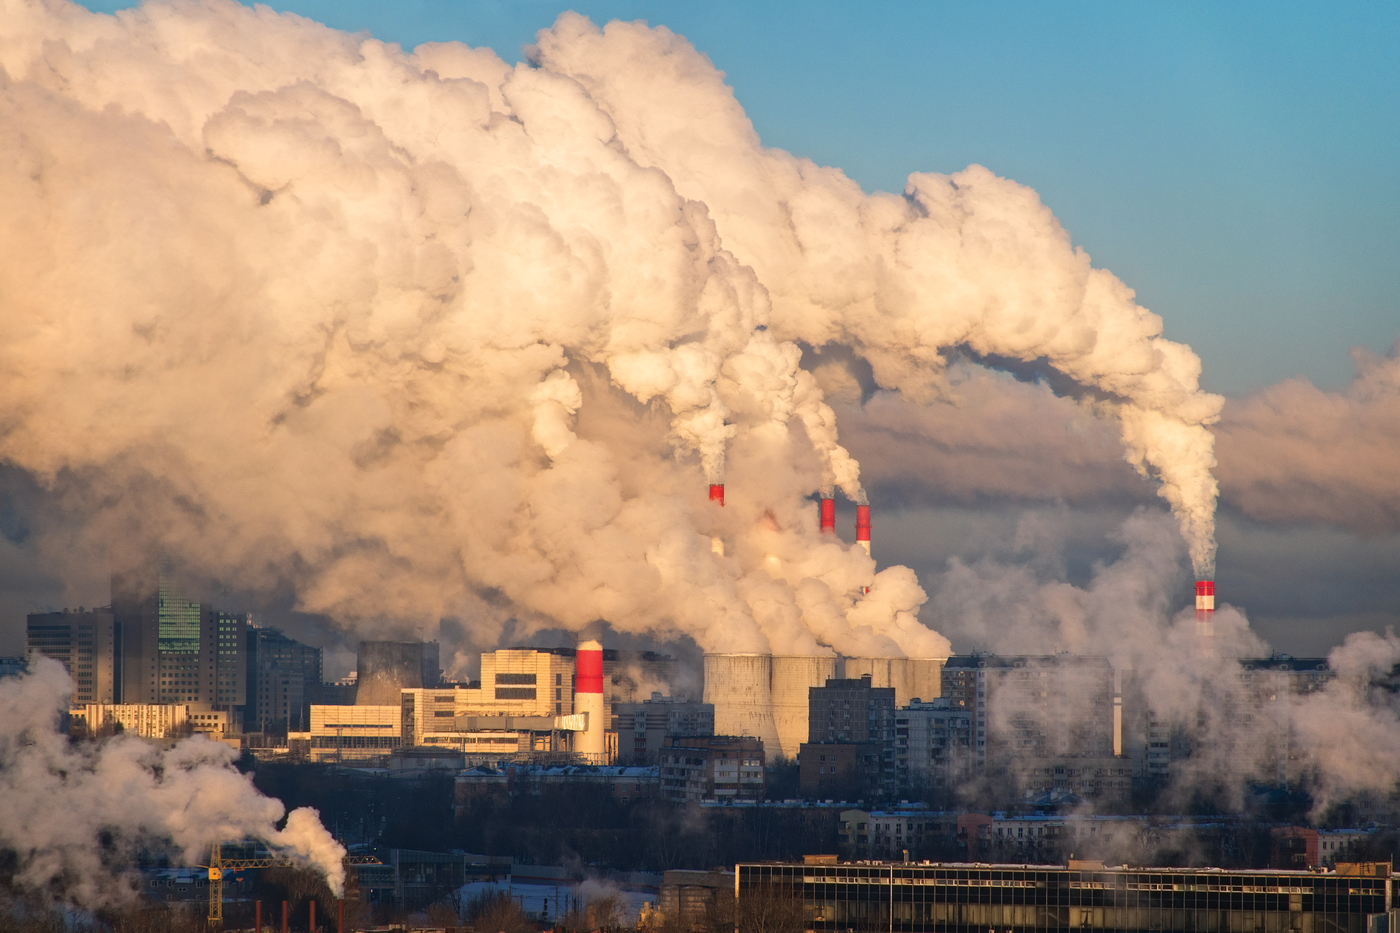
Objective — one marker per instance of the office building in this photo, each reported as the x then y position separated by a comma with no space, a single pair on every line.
975,898
282,676
174,650
84,642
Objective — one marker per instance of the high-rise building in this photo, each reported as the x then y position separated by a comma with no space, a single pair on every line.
1060,706
84,642
171,649
283,675
933,745
851,732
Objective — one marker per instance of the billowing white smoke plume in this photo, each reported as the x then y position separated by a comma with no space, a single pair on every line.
1340,739
74,811
426,335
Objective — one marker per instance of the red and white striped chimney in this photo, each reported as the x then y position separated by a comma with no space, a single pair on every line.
863,527
1205,614
717,493
588,698
828,515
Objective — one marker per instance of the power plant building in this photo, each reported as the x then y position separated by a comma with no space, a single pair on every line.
386,667
765,696
912,678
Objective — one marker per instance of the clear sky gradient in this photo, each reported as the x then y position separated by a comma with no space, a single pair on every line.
1237,164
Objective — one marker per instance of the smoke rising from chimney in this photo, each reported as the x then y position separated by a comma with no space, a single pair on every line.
315,312
74,810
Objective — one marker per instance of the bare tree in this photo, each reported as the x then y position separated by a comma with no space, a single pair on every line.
769,909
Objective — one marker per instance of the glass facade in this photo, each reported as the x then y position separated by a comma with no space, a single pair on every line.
179,620
983,898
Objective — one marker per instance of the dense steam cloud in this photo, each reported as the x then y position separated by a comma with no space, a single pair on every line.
425,335
75,812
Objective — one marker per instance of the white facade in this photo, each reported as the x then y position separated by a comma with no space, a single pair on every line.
341,733
147,720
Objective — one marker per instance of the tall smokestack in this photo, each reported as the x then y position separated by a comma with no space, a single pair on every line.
717,493
588,698
1205,615
863,527
828,515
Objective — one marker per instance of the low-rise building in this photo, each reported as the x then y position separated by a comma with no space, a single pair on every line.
875,834
354,733
147,720
716,767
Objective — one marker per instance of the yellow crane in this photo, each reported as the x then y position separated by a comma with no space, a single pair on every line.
218,866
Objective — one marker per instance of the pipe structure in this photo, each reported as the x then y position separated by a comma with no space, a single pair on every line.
284,917
257,917
340,916
311,924
717,493
863,527
828,516
588,698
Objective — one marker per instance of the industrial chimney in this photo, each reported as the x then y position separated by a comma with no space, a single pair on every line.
1205,615
828,515
717,493
588,698
863,527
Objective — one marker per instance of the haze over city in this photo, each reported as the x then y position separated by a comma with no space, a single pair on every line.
518,398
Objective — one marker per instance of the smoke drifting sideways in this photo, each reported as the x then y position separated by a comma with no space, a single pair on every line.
76,813
1342,741
426,336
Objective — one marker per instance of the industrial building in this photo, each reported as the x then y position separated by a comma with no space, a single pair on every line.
765,696
386,667
974,898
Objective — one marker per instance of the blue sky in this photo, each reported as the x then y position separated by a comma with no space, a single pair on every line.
1237,164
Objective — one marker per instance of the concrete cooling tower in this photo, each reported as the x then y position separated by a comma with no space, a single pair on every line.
386,667
910,677
741,688
792,677
764,696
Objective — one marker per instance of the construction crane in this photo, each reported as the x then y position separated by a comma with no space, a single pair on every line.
218,866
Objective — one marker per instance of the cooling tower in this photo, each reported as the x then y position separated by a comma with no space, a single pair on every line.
792,677
910,677
740,687
386,667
